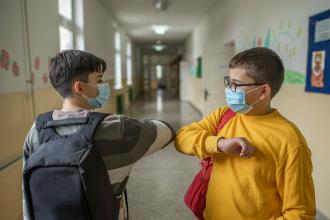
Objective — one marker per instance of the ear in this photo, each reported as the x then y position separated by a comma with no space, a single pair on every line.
76,88
266,92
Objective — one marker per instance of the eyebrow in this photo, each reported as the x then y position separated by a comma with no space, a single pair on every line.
235,80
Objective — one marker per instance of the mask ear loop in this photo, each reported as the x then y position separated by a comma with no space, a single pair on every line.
82,96
254,89
256,101
88,84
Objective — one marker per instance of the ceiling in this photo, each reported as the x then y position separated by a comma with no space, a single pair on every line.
137,17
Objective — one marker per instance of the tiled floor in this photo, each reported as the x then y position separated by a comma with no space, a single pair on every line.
157,183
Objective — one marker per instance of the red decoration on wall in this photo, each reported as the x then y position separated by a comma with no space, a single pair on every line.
45,78
37,63
49,59
259,42
4,59
15,69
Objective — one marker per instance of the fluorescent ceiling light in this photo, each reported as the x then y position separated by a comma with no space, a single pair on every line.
159,47
160,4
160,29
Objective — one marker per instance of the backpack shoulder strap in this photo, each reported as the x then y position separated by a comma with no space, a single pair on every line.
229,114
94,119
42,119
44,134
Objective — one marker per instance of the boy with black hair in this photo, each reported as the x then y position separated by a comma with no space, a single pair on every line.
262,165
121,140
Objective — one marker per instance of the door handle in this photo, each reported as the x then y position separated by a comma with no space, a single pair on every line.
206,94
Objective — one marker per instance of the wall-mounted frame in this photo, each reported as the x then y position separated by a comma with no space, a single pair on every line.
318,57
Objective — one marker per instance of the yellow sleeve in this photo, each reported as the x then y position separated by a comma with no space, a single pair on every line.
199,138
295,185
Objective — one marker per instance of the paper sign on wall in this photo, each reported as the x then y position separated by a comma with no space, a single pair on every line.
322,30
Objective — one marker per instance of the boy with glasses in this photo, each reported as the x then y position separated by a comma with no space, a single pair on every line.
262,165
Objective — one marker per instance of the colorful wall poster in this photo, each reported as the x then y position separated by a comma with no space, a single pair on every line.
318,59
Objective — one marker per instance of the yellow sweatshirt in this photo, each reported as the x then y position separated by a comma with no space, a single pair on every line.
274,184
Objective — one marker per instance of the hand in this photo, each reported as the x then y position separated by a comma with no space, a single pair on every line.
236,147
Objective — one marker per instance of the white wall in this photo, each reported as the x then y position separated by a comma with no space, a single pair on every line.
99,34
286,22
99,39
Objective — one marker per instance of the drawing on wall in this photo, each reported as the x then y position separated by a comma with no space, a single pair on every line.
15,69
259,42
286,41
284,37
11,69
294,77
5,63
37,63
317,76
4,59
267,40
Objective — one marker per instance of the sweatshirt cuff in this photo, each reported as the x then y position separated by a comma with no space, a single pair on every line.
211,144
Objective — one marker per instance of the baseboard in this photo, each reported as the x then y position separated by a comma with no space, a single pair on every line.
321,216
194,107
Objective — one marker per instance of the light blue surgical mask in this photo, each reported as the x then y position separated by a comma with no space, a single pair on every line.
101,98
236,101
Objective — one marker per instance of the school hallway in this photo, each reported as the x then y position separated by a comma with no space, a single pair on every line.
158,183
166,60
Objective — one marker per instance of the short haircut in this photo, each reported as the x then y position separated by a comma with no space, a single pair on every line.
261,64
70,65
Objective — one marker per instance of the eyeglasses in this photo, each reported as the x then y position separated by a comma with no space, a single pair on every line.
233,86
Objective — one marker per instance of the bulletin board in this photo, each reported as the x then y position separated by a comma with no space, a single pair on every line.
318,57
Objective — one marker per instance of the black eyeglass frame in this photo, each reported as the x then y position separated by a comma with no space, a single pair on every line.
231,85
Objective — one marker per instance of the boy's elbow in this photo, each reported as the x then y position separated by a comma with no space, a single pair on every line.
179,146
176,145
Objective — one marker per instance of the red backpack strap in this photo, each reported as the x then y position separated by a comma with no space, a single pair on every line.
229,114
195,197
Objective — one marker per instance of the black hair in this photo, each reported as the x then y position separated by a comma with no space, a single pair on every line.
70,65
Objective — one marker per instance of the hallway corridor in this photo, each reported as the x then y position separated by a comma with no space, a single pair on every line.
174,61
158,183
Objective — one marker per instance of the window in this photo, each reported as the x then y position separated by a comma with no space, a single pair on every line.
71,28
66,38
118,76
129,75
159,72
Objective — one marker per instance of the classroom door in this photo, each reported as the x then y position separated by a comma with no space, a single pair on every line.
215,68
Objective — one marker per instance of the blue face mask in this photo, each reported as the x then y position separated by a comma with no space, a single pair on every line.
236,100
101,98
